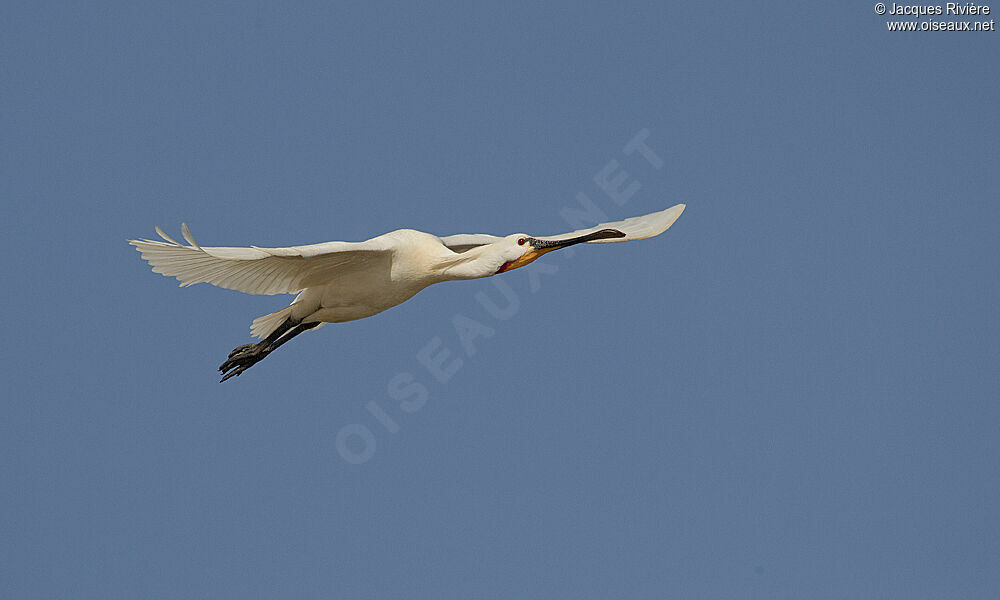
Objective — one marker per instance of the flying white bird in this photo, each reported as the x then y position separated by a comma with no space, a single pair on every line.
345,281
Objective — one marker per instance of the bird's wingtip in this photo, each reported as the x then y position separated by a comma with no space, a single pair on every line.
674,212
186,232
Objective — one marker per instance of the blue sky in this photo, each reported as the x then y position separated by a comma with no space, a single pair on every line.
791,393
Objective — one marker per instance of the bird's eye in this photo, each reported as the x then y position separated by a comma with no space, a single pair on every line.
520,241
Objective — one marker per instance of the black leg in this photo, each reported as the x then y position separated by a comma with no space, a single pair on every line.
246,356
247,349
294,332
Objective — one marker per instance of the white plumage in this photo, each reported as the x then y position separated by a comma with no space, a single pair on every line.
345,281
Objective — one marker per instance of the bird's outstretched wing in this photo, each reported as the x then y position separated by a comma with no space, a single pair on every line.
260,270
463,241
634,228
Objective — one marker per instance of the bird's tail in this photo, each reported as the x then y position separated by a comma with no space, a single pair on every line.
263,326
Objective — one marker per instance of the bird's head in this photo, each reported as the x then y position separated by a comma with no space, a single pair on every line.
521,249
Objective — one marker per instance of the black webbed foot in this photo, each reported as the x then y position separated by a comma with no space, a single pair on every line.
242,358
245,356
242,349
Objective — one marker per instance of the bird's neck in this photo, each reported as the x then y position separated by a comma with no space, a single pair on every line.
482,261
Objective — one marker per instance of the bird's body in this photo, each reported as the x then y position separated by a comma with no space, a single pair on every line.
345,281
388,279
